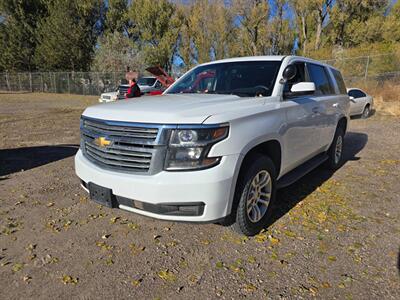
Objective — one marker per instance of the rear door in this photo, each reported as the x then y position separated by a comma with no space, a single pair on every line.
327,99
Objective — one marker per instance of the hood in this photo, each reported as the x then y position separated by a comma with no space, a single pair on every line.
170,109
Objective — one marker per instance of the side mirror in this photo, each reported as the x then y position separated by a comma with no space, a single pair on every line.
289,73
352,98
303,88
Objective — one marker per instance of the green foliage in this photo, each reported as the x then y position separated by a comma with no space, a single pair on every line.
17,33
67,36
116,52
155,26
109,35
253,32
116,17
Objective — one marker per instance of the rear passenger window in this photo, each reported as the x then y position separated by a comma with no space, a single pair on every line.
339,81
319,76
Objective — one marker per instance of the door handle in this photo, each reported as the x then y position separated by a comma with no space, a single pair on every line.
315,110
335,104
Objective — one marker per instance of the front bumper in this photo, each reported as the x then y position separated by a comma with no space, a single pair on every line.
212,187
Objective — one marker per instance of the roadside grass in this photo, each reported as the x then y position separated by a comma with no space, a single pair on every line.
386,96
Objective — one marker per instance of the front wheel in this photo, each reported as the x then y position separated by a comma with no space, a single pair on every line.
255,191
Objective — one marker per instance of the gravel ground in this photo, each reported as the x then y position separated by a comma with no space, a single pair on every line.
333,235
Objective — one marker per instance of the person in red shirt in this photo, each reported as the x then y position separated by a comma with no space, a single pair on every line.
133,90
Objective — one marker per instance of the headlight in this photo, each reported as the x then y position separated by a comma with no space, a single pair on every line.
188,148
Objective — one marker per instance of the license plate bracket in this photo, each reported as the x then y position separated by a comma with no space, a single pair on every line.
100,194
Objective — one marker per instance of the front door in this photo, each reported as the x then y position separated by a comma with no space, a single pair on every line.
302,134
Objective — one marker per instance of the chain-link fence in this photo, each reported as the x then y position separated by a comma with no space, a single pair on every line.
82,83
358,71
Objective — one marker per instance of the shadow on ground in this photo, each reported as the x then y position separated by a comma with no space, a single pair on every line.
15,160
288,197
398,262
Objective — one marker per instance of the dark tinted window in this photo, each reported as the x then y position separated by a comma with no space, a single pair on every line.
319,76
356,94
247,79
300,77
339,81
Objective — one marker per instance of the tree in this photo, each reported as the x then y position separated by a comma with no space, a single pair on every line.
117,17
207,31
155,28
18,33
281,34
322,8
116,52
67,36
348,16
303,10
391,28
223,31
252,18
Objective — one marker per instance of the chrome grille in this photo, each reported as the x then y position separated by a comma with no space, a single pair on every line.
131,147
138,133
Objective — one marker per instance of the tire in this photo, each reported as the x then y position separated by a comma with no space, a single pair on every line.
248,219
366,112
335,151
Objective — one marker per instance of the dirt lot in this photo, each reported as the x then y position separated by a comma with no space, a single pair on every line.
332,236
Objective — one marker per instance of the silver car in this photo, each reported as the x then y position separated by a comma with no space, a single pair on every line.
149,84
361,104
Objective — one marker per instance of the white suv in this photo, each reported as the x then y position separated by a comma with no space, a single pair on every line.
218,143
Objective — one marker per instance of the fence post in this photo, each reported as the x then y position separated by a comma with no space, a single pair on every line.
30,82
55,82
8,82
366,68
19,82
69,89
41,83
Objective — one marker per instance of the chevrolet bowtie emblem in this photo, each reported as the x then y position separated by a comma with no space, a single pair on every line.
102,142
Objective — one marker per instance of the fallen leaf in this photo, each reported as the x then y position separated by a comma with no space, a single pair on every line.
114,220
17,267
332,258
273,240
166,275
250,288
67,279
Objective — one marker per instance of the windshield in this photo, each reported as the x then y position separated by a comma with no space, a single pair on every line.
146,81
245,79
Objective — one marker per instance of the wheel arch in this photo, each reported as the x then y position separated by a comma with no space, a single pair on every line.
271,148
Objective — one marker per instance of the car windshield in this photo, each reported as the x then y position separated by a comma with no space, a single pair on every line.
146,81
245,79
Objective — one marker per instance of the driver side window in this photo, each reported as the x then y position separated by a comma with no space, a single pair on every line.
300,77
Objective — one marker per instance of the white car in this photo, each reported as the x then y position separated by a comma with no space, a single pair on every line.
113,96
218,143
360,103
149,84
